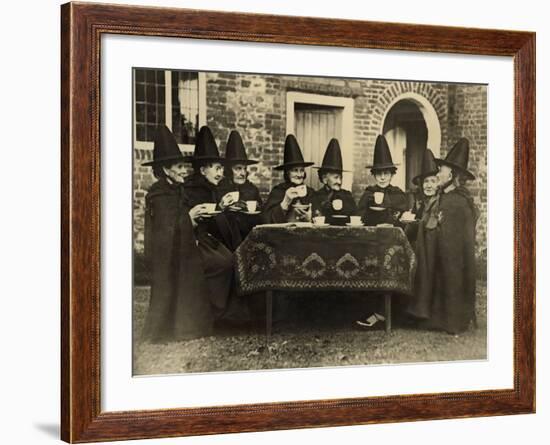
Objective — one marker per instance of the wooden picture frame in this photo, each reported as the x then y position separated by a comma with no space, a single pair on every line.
82,26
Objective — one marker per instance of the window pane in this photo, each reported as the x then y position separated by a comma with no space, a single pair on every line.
140,113
151,113
140,75
140,92
151,76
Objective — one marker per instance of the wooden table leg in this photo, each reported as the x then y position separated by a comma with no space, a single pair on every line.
268,312
387,308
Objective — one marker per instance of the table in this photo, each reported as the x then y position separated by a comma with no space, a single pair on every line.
303,257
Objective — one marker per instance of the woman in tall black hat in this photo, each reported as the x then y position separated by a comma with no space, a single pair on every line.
216,234
383,202
422,232
427,184
452,307
202,188
291,200
331,201
245,211
179,306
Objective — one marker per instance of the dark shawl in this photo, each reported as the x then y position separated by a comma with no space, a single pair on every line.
273,212
454,294
425,229
179,306
394,203
247,192
322,202
199,191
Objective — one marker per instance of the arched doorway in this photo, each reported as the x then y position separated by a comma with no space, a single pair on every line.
410,126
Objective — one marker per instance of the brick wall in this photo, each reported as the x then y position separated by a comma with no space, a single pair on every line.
467,118
255,105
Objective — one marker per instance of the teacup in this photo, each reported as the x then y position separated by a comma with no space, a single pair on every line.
234,196
337,204
355,220
319,220
210,207
378,197
251,206
302,190
408,216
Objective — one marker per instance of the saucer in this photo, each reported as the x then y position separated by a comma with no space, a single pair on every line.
256,212
215,212
354,225
321,225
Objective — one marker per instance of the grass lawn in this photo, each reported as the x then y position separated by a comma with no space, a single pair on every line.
319,333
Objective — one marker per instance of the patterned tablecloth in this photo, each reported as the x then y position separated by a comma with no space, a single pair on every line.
306,258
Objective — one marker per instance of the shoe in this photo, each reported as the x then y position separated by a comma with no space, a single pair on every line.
371,321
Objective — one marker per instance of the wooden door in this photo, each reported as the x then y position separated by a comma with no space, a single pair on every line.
314,127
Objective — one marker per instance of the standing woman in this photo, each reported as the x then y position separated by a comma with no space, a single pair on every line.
291,200
423,231
179,307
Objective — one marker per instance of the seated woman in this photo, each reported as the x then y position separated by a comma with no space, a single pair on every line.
291,200
181,279
245,210
383,202
202,187
331,200
217,235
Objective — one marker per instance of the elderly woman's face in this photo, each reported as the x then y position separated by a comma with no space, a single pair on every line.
213,172
239,173
176,172
297,175
429,185
333,180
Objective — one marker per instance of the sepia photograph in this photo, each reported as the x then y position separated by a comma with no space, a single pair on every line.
285,221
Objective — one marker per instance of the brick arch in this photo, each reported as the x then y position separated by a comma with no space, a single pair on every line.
428,100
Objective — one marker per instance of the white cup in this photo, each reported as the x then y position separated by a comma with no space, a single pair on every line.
337,204
251,206
210,207
234,195
355,220
319,220
302,190
378,197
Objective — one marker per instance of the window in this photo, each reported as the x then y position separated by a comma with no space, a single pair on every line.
150,102
176,98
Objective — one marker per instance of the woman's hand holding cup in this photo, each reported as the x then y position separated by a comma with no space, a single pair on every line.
290,195
227,200
196,213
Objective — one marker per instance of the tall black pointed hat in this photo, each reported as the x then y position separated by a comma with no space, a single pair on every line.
429,167
458,157
206,148
332,161
382,155
235,153
165,147
293,155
